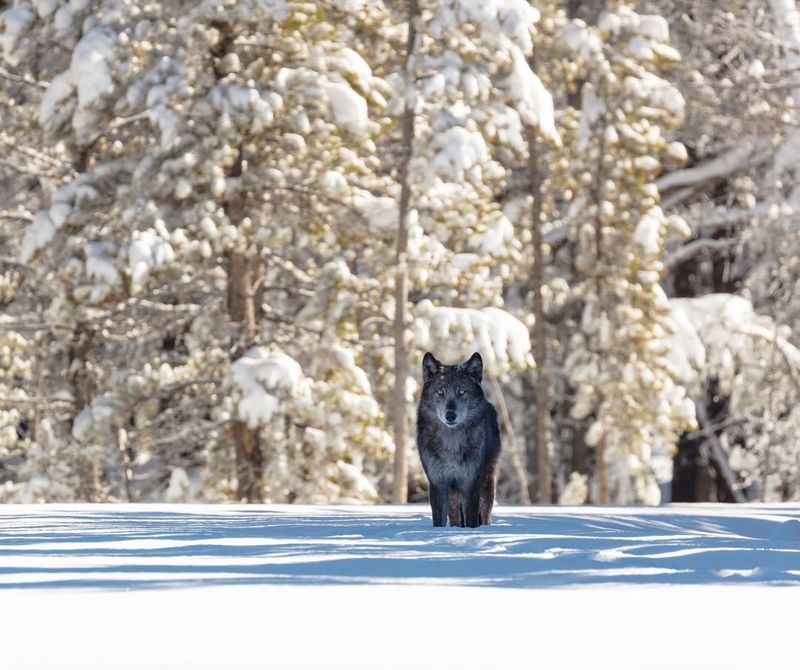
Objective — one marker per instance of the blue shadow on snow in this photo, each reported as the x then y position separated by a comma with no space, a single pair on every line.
526,548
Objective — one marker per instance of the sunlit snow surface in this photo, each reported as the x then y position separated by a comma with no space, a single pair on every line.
101,585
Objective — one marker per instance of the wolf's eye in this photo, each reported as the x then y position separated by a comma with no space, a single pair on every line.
461,391
440,392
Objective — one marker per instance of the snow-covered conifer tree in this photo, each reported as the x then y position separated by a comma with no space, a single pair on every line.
618,360
207,165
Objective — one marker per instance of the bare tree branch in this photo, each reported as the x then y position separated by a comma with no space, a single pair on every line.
687,251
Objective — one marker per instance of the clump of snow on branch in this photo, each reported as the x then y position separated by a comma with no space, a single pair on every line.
110,409
47,222
381,212
179,488
88,79
14,22
261,378
454,333
648,231
652,89
348,108
101,270
457,151
531,99
147,251
37,235
497,239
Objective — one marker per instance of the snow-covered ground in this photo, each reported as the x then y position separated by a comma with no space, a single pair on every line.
157,586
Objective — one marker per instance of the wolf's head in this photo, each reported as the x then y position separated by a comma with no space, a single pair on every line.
450,393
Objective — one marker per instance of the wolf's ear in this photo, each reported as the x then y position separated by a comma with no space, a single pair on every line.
430,366
474,367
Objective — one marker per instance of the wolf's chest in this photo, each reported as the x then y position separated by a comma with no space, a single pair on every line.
455,444
457,456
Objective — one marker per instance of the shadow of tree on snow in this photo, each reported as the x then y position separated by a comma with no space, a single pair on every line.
526,548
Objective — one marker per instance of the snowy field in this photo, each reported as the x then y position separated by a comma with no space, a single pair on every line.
135,586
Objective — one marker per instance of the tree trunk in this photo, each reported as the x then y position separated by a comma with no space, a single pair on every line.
83,383
580,451
249,463
603,496
602,474
538,455
127,466
513,446
82,377
241,302
718,455
241,307
40,366
400,484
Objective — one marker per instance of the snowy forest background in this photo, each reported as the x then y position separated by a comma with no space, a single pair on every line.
230,230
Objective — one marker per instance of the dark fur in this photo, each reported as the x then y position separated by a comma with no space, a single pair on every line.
458,441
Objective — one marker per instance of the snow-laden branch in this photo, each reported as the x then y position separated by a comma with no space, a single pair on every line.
787,28
556,236
13,144
687,251
713,330
27,169
789,353
456,332
729,217
17,216
748,154
10,400
23,79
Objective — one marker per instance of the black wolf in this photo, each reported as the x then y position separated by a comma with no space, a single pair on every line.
458,441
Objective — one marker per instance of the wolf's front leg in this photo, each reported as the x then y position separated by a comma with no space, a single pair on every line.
439,503
470,501
456,518
487,498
